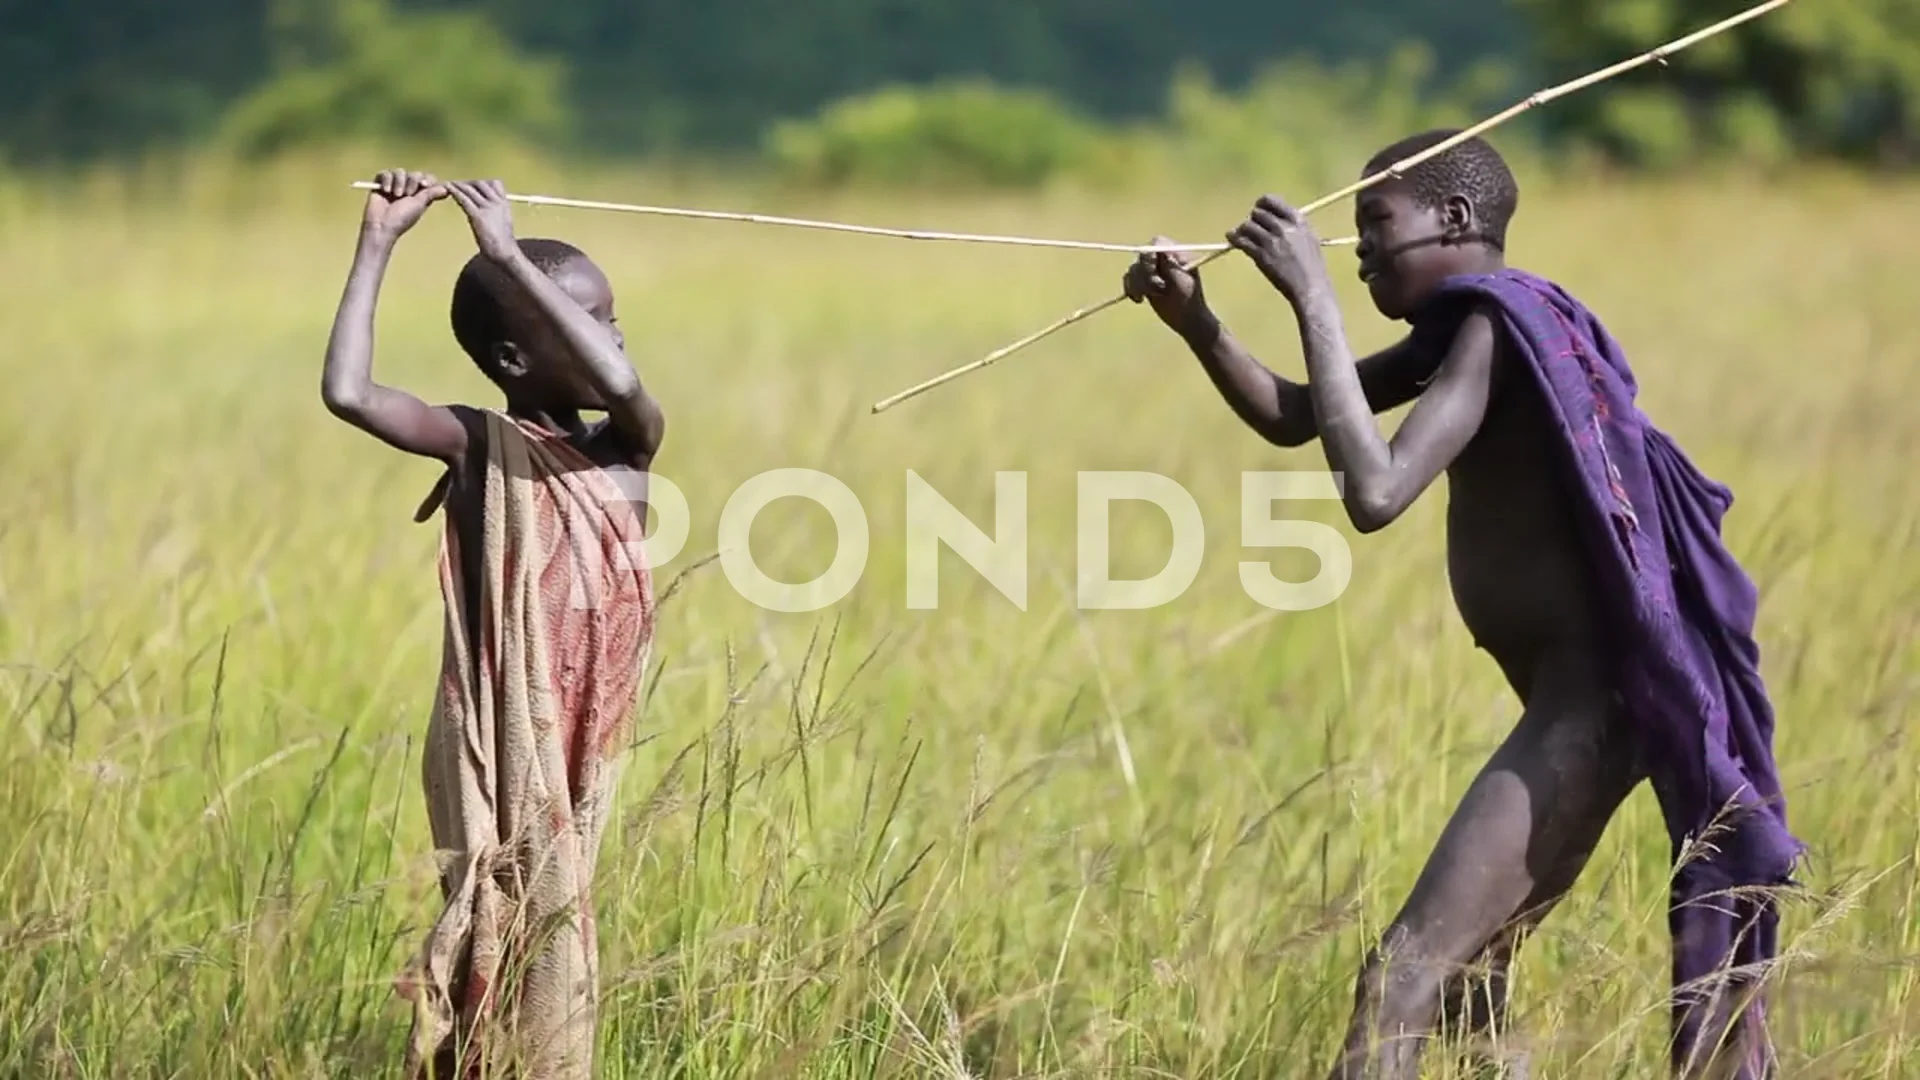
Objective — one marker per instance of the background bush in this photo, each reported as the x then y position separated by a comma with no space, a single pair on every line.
660,77
967,132
366,73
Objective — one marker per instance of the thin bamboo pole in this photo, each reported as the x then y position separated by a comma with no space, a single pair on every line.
1538,98
865,230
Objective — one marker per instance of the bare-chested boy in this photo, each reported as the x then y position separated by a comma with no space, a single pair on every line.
1585,557
549,619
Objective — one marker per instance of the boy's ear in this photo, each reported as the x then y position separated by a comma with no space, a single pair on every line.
508,360
1457,218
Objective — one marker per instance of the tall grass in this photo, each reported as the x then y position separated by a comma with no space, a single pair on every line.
870,840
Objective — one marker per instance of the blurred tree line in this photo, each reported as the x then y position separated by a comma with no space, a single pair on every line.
1825,77
641,75
616,77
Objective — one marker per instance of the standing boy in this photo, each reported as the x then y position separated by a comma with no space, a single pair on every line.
549,621
1584,554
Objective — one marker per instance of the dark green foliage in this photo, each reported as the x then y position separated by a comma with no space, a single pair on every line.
714,73
440,79
1835,77
104,75
82,79
78,79
963,132
1306,121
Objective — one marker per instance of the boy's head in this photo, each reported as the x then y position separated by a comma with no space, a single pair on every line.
1447,215
511,343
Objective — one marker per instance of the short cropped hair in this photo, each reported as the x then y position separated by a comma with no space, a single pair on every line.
479,319
1473,168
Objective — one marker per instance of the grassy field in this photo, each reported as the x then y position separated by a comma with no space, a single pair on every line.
869,840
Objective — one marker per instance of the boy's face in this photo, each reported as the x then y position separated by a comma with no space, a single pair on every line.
1403,250
542,351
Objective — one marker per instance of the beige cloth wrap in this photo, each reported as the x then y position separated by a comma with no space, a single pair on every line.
521,761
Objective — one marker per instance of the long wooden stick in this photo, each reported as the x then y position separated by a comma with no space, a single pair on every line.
1534,100
865,230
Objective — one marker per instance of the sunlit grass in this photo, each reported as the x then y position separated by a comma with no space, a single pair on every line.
869,840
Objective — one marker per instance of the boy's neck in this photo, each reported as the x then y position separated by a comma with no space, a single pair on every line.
1481,259
558,421
1472,261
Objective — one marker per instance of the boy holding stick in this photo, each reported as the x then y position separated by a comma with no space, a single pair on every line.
549,621
1585,557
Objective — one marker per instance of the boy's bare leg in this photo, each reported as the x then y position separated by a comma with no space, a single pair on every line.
1515,844
1473,1003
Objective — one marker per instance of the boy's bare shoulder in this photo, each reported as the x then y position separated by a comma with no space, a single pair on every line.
474,419
459,474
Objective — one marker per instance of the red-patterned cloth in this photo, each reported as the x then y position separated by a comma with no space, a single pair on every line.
521,758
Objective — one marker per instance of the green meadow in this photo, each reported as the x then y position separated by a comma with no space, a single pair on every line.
873,840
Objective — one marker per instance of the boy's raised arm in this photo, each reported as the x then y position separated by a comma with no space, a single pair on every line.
1275,407
393,416
1381,478
631,409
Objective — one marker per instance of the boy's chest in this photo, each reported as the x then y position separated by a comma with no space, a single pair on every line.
1509,483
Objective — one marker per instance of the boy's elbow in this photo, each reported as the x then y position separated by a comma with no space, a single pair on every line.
1372,511
343,402
1289,437
653,428
619,383
645,423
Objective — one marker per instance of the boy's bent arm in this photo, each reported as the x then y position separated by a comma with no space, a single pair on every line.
1382,478
631,409
395,417
1281,410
